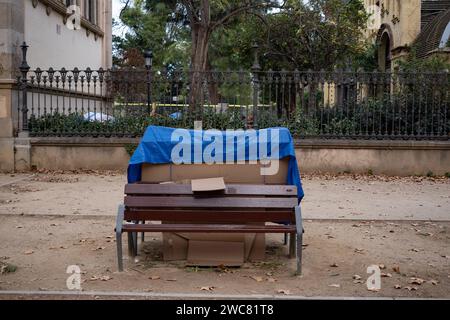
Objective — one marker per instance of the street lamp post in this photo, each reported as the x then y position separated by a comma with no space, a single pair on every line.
148,66
256,68
24,68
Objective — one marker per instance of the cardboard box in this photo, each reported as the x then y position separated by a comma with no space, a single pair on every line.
231,173
213,249
206,249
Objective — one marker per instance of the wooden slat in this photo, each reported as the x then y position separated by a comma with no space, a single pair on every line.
232,189
210,216
220,202
263,190
208,228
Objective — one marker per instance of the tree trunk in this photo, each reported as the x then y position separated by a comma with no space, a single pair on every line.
213,85
199,58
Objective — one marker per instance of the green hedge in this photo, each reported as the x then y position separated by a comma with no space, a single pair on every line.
371,118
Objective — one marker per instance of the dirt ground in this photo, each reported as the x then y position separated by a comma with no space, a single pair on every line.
326,197
50,221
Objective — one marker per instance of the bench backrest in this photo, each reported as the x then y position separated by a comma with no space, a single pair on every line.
244,203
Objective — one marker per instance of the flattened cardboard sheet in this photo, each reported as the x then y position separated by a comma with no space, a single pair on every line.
206,253
208,185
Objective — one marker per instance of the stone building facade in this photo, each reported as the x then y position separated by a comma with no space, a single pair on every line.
400,26
60,33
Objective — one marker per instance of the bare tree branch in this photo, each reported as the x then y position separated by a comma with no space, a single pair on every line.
238,10
125,7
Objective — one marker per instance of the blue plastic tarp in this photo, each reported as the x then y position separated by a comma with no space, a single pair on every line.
158,143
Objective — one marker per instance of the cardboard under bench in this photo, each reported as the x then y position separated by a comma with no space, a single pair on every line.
214,249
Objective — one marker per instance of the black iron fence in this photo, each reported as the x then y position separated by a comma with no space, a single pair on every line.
340,104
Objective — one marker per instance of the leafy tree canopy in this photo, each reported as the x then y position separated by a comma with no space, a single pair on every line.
218,34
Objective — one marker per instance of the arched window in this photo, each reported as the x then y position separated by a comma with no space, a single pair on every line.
445,39
384,52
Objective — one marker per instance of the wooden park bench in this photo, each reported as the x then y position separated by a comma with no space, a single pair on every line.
276,206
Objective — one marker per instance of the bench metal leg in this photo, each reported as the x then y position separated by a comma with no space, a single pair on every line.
130,244
119,223
285,239
135,243
292,245
143,234
299,227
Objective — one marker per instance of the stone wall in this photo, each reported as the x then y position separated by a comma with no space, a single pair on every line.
400,158
328,156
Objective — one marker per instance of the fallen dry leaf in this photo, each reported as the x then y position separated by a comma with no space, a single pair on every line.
257,279
357,250
271,280
105,278
357,277
386,275
433,282
335,285
171,280
56,248
334,265
382,266
154,277
396,269
335,274
414,280
397,286
29,252
415,250
98,248
411,288
358,281
207,288
282,291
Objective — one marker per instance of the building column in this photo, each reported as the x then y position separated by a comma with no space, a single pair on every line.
12,13
107,28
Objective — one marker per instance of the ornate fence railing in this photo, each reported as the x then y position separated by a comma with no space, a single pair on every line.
339,104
